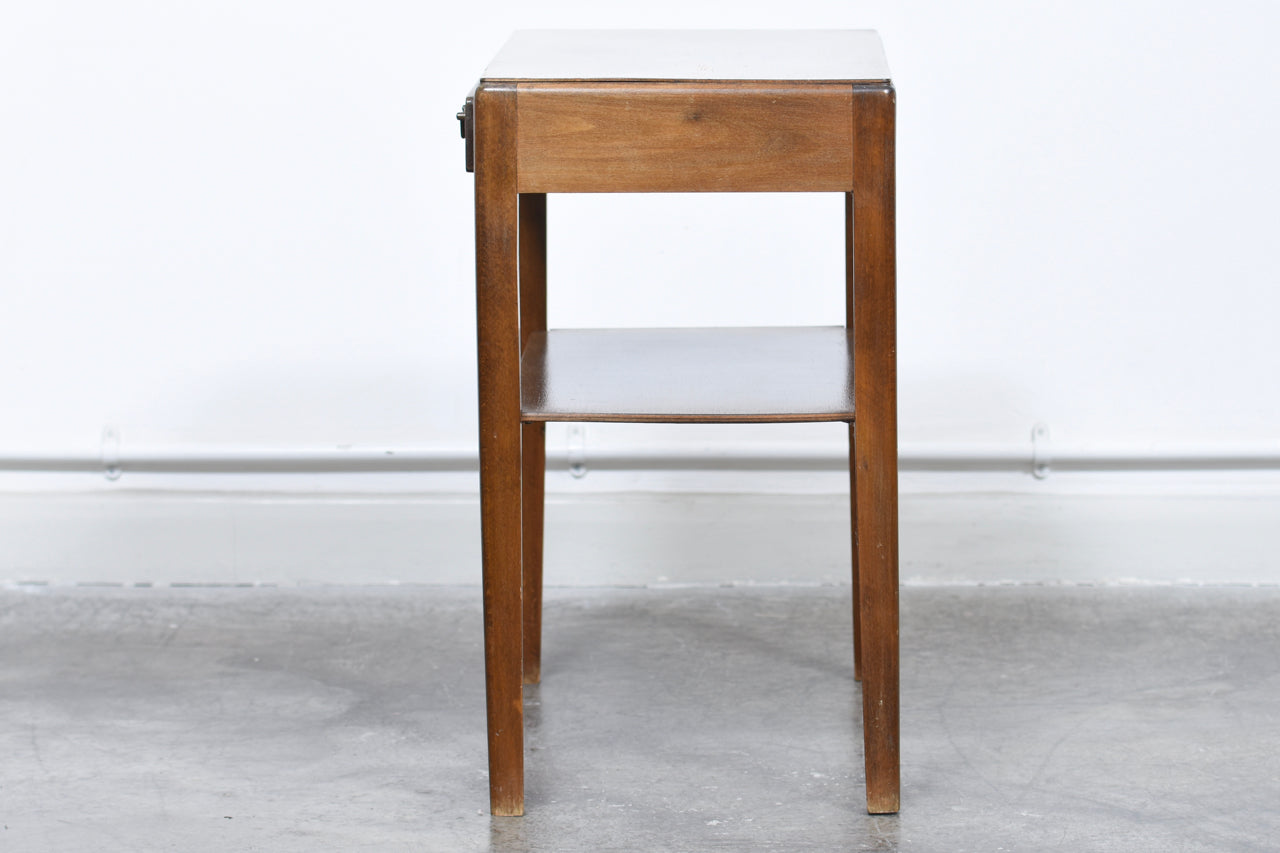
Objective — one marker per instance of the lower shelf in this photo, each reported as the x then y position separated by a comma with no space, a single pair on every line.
720,375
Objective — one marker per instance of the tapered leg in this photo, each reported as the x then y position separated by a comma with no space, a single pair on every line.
853,527
876,449
534,462
498,334
533,318
853,439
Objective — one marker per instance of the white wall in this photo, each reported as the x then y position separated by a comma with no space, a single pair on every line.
245,225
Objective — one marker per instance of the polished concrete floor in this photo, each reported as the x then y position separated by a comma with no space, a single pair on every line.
1034,718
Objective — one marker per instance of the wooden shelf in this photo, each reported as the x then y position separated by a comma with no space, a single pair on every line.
721,375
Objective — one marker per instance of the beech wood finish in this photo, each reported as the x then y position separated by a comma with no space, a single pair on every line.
653,133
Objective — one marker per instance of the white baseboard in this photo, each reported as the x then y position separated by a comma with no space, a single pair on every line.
1116,534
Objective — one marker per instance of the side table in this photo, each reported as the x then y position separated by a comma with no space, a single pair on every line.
680,111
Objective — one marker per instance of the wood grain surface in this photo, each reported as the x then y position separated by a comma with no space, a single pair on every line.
853,446
533,436
721,375
533,138
876,446
685,137
498,339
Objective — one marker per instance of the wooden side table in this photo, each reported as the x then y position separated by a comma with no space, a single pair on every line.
677,111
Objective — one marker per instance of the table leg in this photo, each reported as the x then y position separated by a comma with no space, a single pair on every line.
876,453
498,333
853,445
533,318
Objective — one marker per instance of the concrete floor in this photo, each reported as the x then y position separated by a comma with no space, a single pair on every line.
1034,718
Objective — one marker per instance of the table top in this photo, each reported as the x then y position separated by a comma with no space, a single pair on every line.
809,55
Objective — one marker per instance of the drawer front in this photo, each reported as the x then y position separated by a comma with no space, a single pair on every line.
684,137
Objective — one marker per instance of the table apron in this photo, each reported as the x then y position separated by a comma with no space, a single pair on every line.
684,137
